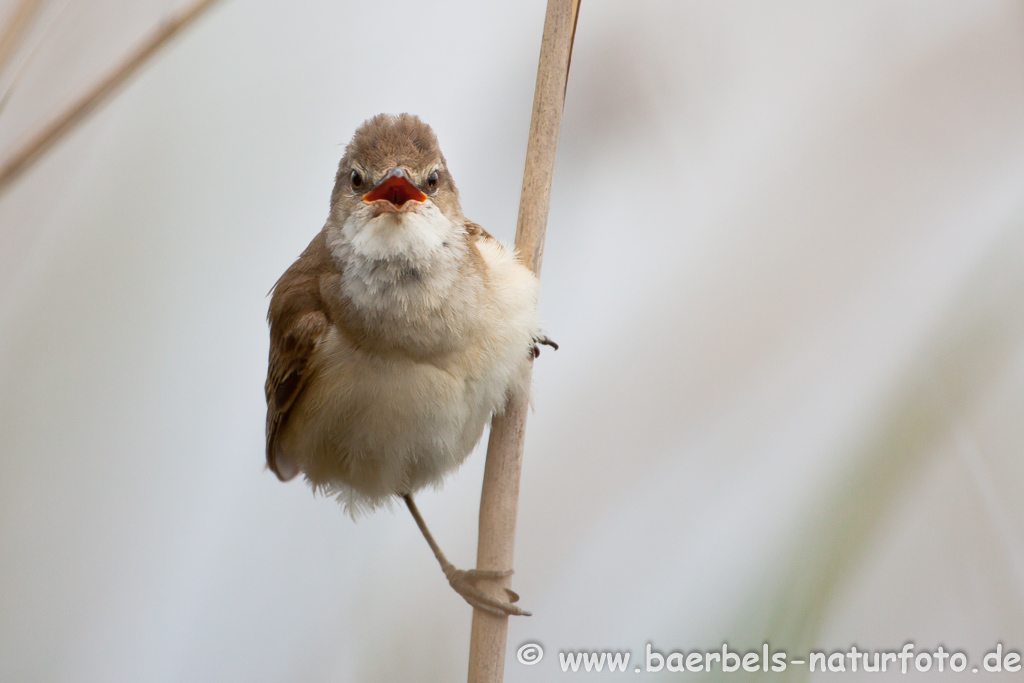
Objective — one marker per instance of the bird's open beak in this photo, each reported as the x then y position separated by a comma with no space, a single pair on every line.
396,188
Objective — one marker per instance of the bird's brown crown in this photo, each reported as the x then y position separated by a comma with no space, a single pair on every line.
386,141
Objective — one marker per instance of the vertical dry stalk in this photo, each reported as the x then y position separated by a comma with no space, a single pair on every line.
499,499
45,138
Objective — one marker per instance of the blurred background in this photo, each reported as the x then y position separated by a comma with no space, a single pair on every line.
785,264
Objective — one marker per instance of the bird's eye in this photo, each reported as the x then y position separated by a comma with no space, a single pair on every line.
432,180
356,179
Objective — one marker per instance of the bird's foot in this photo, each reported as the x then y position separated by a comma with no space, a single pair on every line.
463,581
545,341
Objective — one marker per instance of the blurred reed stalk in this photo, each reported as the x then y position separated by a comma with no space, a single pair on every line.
16,29
41,141
499,499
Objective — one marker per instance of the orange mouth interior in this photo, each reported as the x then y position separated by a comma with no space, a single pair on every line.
396,190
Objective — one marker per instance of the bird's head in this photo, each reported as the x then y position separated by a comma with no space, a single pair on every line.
393,169
396,230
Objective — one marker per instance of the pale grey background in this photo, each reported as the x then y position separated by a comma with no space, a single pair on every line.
785,263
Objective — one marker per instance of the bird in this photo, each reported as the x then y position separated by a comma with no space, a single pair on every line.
396,335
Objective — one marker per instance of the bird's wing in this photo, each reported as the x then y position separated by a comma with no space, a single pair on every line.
298,320
474,230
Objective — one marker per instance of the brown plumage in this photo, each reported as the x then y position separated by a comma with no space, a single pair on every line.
298,317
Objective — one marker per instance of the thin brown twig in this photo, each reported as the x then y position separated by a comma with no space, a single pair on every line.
29,54
499,499
53,131
17,27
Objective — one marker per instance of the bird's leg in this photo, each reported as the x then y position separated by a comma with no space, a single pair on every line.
545,341
463,580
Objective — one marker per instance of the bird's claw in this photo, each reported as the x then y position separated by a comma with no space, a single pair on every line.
463,582
546,342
